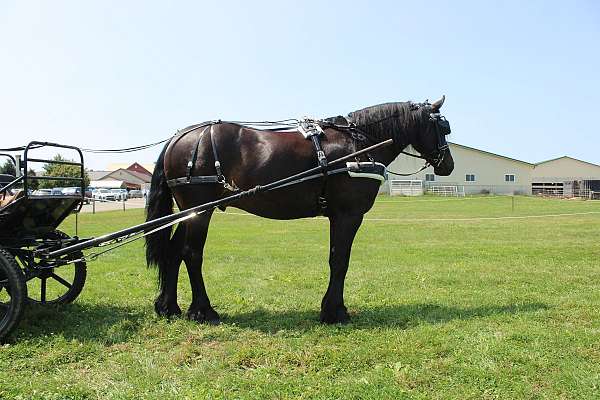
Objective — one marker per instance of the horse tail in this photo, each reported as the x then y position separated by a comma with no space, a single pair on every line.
160,204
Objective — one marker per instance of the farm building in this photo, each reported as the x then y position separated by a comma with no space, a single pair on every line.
479,171
565,176
146,169
134,176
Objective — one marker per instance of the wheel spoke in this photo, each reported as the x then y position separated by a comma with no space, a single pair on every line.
43,295
61,280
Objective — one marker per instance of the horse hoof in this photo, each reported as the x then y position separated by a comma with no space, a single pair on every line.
338,316
167,310
204,317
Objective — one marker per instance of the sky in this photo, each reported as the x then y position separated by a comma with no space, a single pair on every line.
520,78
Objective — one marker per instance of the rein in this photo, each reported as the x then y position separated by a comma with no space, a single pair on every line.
425,166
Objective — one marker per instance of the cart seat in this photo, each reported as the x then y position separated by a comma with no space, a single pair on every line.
5,179
6,197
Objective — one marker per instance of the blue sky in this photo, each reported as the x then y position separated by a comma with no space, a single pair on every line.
521,78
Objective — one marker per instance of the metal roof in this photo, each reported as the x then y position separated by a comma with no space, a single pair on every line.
490,153
571,158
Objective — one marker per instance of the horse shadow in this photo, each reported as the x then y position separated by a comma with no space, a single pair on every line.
114,324
103,323
402,316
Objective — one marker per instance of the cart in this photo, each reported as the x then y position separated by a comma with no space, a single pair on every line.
28,224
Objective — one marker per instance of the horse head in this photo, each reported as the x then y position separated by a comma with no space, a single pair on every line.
417,124
430,139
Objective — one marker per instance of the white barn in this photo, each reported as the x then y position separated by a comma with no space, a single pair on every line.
479,171
565,176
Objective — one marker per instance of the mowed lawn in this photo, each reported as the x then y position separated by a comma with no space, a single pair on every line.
446,302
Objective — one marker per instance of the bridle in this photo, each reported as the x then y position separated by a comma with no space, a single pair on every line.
442,128
436,158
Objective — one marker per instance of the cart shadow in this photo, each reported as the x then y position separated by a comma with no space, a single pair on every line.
108,324
404,316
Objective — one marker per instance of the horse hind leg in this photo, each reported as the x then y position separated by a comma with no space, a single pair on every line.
166,301
200,310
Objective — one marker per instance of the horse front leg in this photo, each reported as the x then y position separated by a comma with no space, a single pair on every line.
200,310
342,230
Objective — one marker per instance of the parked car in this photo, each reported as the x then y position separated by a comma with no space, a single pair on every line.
56,191
135,194
120,194
88,193
71,191
103,194
76,191
42,192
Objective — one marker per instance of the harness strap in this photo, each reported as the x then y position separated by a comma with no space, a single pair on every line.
322,159
220,175
194,155
320,153
193,180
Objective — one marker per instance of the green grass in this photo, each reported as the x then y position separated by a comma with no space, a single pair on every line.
471,308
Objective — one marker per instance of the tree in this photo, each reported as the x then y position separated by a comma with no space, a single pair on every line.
32,184
72,171
8,168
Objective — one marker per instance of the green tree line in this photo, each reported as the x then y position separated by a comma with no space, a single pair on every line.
50,169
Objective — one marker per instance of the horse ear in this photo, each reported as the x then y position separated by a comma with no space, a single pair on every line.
435,107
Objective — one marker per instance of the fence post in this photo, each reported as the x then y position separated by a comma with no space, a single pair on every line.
123,201
94,205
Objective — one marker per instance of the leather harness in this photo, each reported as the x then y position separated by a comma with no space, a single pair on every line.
309,128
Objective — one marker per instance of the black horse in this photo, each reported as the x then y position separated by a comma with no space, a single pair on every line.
250,157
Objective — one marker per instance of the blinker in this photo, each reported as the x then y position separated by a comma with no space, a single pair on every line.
442,123
444,126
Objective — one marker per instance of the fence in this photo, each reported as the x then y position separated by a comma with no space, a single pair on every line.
446,190
470,189
583,189
398,187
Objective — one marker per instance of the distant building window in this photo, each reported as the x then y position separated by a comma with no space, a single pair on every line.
470,177
509,178
429,177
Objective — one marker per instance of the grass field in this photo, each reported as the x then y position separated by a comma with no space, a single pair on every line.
447,301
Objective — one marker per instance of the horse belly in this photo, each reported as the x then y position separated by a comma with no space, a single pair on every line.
285,203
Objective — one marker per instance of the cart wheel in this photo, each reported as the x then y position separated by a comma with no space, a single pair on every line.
60,285
13,293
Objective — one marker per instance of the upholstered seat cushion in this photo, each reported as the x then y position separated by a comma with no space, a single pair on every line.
7,197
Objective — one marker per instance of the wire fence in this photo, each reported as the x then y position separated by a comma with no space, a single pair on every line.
404,187
566,190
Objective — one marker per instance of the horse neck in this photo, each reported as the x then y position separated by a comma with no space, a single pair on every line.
387,154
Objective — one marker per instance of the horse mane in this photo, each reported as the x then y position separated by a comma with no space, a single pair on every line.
390,120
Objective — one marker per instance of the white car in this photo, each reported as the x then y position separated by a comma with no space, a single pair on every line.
120,194
103,194
42,192
135,194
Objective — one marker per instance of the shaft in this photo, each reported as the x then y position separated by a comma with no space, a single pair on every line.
203,207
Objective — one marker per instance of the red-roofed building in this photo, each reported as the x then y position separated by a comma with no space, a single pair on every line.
139,168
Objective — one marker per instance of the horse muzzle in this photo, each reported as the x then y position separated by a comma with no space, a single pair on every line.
446,166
